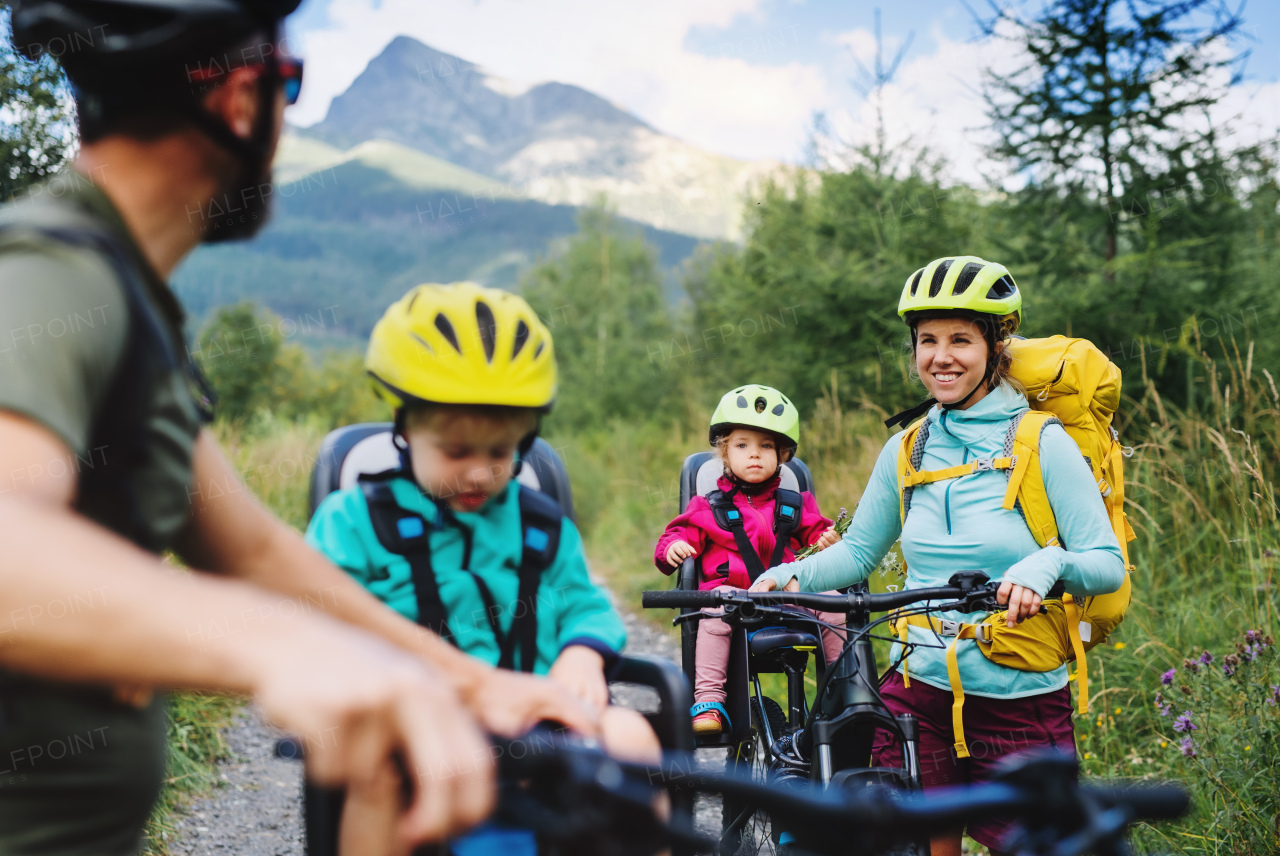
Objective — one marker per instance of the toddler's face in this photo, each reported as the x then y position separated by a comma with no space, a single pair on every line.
752,455
463,459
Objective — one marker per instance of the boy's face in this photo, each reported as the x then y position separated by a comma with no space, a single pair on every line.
463,458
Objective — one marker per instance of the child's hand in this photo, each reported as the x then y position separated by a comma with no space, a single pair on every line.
678,552
828,538
581,671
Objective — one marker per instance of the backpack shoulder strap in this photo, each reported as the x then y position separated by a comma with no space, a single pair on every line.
407,533
541,520
729,518
1026,489
910,453
787,507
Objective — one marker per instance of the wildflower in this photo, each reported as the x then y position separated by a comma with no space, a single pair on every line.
1186,690
1117,711
1184,723
1275,695
1120,646
1248,748
1205,659
1229,664
1250,653
1268,641
1252,636
1268,554
1167,677
1088,755
1164,744
1191,665
1188,747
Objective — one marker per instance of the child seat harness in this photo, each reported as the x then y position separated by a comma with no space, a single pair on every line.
1070,383
787,506
407,533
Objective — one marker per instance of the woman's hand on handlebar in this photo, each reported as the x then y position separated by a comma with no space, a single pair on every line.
1022,602
766,584
678,552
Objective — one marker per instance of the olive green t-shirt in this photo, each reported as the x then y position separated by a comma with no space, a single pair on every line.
80,772
64,325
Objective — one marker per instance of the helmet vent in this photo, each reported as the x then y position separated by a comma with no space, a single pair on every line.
1002,288
522,336
939,274
488,328
915,281
421,341
446,330
971,270
538,352
742,402
778,409
761,404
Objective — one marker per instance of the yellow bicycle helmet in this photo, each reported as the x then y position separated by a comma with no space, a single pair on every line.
462,344
966,284
760,407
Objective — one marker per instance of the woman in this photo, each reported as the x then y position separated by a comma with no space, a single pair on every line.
961,313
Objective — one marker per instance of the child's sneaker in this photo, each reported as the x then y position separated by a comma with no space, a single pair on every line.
709,718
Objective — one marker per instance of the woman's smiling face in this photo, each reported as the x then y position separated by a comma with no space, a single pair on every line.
951,356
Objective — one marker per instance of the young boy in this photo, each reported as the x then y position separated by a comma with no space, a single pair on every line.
450,539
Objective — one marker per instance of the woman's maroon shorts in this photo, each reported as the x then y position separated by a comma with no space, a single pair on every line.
994,729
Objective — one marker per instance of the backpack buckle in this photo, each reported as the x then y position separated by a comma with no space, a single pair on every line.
947,627
982,633
984,464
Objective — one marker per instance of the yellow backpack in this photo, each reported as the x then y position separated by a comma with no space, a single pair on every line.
1070,382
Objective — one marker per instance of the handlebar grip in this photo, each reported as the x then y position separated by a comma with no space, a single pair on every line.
1148,802
677,599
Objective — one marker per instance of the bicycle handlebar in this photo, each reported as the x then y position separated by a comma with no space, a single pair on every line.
576,792
966,588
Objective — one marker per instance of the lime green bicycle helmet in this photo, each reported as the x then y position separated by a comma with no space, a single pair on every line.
762,408
965,285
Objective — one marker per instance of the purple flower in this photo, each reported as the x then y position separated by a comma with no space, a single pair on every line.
1275,695
1184,723
1229,664
1188,747
1252,636
1250,653
1167,677
1206,658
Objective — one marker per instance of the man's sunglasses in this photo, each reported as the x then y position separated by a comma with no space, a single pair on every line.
290,71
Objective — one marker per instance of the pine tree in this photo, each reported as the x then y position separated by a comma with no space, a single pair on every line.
1113,96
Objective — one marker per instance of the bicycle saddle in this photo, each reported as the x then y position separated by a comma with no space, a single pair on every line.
768,639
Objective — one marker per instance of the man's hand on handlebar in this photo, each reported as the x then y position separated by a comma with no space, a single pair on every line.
766,584
1022,602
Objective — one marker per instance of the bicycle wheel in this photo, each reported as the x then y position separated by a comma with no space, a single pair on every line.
745,831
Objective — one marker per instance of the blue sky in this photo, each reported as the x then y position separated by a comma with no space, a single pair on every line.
737,77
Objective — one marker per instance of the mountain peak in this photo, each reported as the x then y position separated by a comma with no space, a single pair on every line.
448,107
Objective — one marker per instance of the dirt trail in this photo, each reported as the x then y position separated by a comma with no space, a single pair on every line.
258,810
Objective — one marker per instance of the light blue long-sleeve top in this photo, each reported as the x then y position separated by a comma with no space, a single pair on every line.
959,525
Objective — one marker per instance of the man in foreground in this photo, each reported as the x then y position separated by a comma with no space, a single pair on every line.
106,464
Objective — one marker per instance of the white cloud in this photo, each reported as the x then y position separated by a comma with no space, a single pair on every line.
631,53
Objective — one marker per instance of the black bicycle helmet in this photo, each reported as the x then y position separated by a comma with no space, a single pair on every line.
157,56
111,35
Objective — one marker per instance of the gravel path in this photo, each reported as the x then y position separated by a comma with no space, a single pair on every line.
258,811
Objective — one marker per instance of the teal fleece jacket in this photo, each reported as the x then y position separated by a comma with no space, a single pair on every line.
959,525
571,610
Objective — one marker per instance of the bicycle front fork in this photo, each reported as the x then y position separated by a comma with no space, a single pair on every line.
910,728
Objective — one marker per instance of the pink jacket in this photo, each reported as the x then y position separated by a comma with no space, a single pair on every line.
721,563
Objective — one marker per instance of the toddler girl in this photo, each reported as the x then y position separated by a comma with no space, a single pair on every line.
754,431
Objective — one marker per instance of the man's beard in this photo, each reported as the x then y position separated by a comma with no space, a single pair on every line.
240,209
